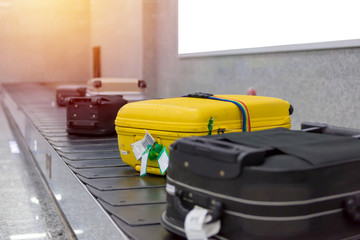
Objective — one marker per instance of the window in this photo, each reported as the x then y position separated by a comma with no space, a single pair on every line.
218,27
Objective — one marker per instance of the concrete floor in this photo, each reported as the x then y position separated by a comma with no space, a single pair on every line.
27,210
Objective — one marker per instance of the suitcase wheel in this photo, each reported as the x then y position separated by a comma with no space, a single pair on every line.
352,208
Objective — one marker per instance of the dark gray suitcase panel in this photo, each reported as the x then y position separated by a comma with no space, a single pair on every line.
106,172
123,183
131,197
137,215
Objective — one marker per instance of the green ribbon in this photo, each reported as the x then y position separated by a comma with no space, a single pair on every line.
154,151
210,125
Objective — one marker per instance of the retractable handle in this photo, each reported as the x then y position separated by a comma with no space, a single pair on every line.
329,129
93,100
99,99
72,100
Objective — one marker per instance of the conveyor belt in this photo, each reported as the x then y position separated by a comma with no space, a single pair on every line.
132,203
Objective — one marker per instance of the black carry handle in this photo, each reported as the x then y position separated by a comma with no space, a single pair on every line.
223,160
328,129
199,95
223,151
71,100
215,207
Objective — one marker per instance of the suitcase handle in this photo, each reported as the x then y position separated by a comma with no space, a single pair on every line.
94,100
223,160
329,129
97,84
215,207
199,95
222,150
141,84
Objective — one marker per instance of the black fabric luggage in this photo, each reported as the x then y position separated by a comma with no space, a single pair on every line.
65,91
271,184
93,115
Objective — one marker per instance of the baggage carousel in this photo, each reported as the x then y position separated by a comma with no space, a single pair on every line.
100,196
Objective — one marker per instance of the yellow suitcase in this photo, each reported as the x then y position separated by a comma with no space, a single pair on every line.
172,118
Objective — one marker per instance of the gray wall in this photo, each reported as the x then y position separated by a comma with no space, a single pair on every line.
116,26
44,40
322,85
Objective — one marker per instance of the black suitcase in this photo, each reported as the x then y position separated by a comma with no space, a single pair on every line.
272,184
93,115
65,91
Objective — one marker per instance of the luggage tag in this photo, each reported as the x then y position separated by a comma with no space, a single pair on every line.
144,160
163,160
140,146
197,227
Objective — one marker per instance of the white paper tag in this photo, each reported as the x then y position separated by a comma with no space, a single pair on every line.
143,166
123,152
196,226
163,160
170,189
140,146
194,223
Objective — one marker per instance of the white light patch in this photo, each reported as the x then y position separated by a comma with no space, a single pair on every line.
28,236
5,4
34,200
14,148
217,25
58,197
78,231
